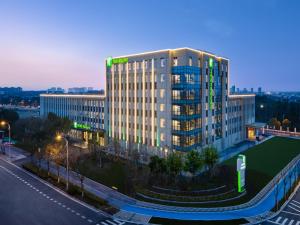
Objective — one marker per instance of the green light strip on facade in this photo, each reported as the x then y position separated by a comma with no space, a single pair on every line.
123,133
110,61
211,63
239,182
157,138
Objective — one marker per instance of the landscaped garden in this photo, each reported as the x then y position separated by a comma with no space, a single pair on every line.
193,179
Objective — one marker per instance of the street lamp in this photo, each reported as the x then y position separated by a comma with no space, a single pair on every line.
3,123
59,138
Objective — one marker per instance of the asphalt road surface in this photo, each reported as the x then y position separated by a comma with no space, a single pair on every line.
290,215
25,200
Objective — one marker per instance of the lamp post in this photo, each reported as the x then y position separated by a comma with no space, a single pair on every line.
59,137
3,123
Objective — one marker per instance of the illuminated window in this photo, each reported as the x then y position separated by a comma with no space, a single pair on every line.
162,123
162,107
176,109
190,61
162,137
162,93
199,62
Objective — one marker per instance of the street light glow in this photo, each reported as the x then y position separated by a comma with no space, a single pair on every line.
58,137
3,123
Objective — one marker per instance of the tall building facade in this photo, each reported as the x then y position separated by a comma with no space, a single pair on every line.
174,98
87,112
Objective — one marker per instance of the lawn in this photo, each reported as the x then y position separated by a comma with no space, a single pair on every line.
266,160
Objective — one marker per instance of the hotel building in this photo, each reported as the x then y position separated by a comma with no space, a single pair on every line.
86,111
174,99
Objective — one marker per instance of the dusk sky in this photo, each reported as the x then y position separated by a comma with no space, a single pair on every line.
64,43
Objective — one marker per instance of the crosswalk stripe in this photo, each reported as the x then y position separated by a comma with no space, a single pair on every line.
278,219
293,208
119,222
295,205
296,202
110,222
291,222
104,223
284,221
298,223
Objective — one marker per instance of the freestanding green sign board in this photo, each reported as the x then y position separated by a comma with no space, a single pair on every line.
241,168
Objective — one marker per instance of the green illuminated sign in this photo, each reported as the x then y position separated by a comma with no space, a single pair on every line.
81,126
211,63
241,168
110,61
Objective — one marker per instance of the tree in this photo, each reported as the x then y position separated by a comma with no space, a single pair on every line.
117,147
286,124
58,157
8,115
76,162
274,123
157,165
210,157
193,162
174,164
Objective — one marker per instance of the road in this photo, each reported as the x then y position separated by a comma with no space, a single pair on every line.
290,214
27,200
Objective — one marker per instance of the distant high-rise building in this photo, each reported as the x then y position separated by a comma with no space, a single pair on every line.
55,90
10,90
232,90
252,90
259,90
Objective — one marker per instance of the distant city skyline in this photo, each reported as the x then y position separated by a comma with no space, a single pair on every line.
65,43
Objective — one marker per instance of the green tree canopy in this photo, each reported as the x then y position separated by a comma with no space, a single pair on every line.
210,157
157,165
174,163
193,162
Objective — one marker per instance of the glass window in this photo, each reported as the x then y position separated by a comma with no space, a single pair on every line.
162,123
190,61
162,93
162,62
162,107
162,77
175,61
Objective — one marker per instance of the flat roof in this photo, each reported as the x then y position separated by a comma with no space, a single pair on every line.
256,125
73,96
241,95
174,49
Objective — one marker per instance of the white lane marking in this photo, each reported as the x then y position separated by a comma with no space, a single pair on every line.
89,220
296,214
63,206
278,219
104,223
295,205
298,223
296,202
284,221
119,222
110,222
294,208
291,222
83,217
78,214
